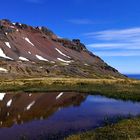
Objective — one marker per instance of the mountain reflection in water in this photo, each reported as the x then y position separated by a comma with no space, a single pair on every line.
21,108
46,116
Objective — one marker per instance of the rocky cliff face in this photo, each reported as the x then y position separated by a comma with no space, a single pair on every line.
27,51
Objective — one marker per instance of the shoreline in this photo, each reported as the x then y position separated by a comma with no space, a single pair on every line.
126,89
123,130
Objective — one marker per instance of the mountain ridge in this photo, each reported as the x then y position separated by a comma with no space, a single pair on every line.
27,51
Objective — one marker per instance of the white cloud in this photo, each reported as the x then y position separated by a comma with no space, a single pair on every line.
107,46
125,42
132,33
80,21
118,53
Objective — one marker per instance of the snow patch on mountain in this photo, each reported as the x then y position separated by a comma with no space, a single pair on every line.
2,54
86,64
23,58
63,60
52,62
27,39
41,58
61,53
3,70
66,64
8,44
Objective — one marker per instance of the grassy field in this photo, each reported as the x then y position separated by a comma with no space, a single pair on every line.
124,130
116,88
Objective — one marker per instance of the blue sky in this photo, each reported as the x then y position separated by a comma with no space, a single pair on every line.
109,28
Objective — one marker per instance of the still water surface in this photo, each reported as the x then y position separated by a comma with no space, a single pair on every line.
42,116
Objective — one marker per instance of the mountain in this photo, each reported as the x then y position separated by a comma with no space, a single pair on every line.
27,51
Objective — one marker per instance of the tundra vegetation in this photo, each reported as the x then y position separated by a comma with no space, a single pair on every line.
125,89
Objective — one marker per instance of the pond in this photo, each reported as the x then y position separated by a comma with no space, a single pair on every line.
44,116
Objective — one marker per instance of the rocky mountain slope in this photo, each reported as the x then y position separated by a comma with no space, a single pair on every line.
27,51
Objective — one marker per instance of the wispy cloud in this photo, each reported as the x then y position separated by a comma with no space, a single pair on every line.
80,21
132,33
118,53
125,42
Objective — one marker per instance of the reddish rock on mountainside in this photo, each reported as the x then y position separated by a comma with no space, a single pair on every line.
27,51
